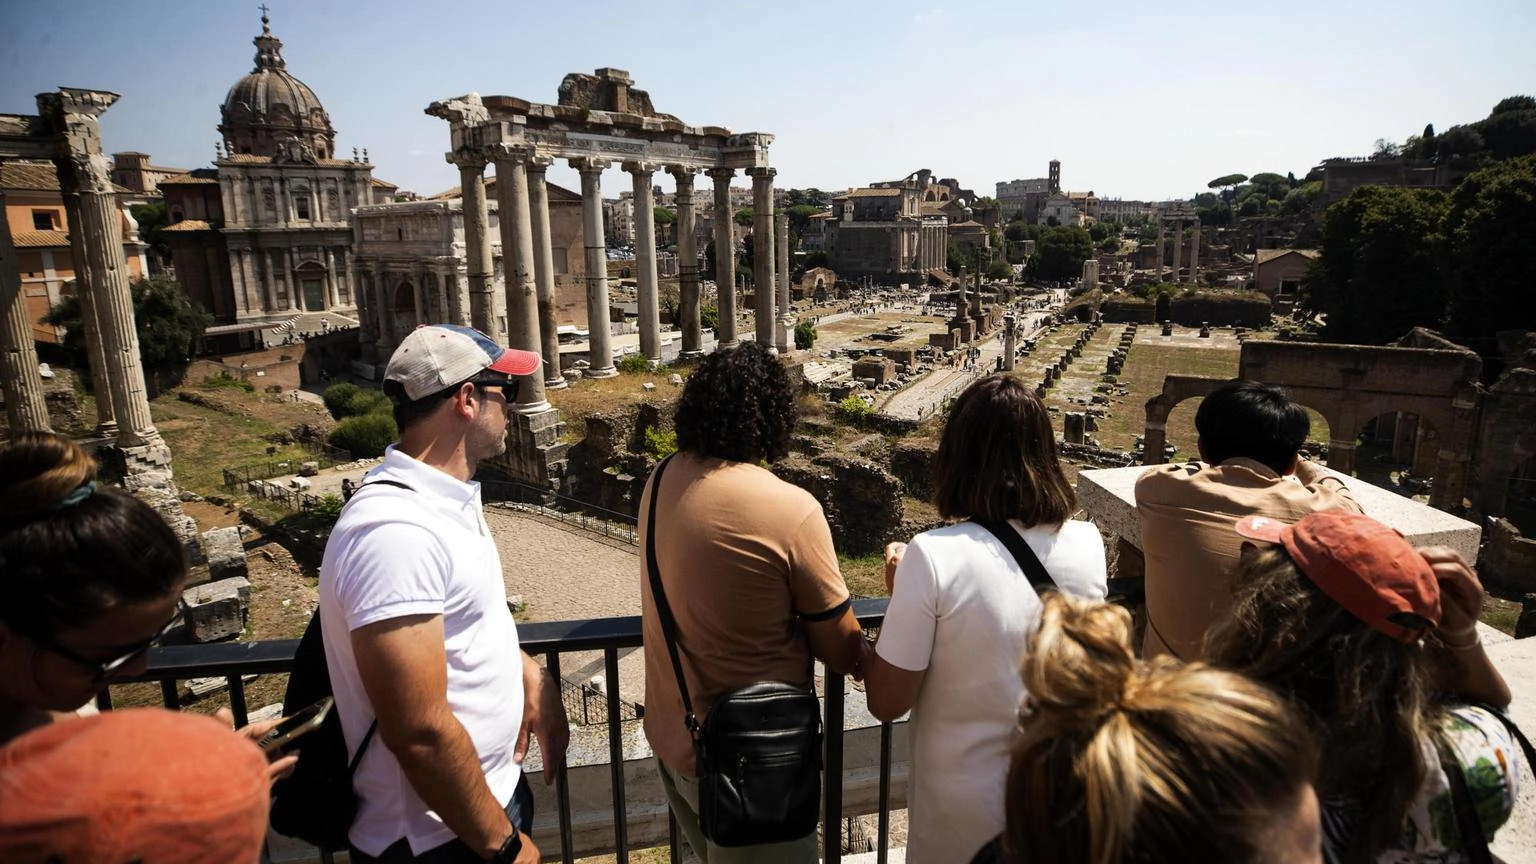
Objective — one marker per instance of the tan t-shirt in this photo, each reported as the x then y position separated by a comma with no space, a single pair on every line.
742,553
1188,514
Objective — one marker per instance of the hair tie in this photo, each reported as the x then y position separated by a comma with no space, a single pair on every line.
78,494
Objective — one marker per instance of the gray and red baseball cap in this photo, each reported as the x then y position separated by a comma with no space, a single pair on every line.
437,356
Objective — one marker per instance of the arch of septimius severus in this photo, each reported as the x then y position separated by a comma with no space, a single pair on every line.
67,131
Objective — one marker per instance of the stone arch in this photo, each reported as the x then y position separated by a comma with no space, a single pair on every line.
309,286
1506,439
1176,389
1351,384
401,310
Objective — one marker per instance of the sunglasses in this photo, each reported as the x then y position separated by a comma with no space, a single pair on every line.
106,670
508,386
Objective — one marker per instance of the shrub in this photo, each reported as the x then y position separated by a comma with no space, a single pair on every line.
327,510
853,410
338,396
659,444
224,379
365,435
805,335
634,364
369,402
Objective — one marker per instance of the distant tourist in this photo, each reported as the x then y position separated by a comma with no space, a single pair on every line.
748,567
1361,631
1250,435
1122,761
134,785
961,607
418,635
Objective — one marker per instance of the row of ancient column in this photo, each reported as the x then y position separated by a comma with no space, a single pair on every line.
260,271
1178,249
528,303
101,281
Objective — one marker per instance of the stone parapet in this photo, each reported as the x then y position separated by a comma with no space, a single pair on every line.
1108,495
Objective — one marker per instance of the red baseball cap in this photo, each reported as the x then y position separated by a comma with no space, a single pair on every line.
1363,565
143,784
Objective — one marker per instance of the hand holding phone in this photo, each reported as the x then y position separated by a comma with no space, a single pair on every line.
292,727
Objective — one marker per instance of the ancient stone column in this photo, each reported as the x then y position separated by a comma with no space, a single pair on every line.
477,244
544,270
25,407
782,336
1194,255
1161,225
725,258
96,355
599,334
1010,342
762,251
642,174
517,263
85,170
1178,249
367,333
389,340
687,264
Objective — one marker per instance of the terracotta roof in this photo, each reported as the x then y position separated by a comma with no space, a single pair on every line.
189,225
1271,254
874,193
381,184
38,176
38,239
187,180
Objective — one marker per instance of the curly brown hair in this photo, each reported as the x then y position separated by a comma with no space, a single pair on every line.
738,405
1364,694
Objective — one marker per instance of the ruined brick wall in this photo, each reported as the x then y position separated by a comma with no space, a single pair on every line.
861,499
912,464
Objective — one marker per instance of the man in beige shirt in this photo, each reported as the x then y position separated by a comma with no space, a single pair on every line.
1249,437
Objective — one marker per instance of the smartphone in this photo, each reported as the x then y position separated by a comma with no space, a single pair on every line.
302,723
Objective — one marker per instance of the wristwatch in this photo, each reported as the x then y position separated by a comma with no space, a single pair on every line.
509,848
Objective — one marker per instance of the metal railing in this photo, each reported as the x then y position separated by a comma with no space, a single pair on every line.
171,664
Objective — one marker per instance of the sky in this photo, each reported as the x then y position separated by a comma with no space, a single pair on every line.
1139,100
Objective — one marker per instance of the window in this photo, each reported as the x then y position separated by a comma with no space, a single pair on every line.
301,206
42,220
560,262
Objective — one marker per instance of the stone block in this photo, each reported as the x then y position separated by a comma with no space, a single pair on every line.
225,553
309,469
216,610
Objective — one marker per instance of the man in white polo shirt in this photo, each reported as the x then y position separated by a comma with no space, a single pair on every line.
417,631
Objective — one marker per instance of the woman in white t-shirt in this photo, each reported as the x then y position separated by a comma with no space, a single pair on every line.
961,607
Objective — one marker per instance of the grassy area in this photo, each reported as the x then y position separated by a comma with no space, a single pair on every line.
587,396
865,574
205,441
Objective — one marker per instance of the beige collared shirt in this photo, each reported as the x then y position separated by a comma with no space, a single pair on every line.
1188,513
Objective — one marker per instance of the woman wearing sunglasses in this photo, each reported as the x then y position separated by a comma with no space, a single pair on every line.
90,578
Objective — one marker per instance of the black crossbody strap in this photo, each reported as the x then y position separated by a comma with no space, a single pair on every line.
663,608
1029,562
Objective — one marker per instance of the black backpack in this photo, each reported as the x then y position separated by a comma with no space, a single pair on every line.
316,802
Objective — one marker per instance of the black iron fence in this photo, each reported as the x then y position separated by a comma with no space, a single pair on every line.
172,664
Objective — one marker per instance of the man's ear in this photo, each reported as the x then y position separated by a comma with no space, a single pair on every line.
465,402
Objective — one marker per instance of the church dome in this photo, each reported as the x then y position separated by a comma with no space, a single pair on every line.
268,111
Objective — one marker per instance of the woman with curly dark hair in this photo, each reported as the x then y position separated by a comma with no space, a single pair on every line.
747,565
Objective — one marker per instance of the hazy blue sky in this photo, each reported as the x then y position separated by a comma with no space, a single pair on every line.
1137,99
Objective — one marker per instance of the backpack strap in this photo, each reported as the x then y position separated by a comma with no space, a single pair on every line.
374,726
1028,561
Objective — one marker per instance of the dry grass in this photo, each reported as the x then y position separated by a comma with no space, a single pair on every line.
587,396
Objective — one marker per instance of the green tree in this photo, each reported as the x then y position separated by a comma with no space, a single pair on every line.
663,215
709,318
1376,278
709,259
1299,200
805,335
744,217
1061,252
1488,224
1271,184
1510,128
999,269
338,396
817,258
170,326
954,262
800,217
152,220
